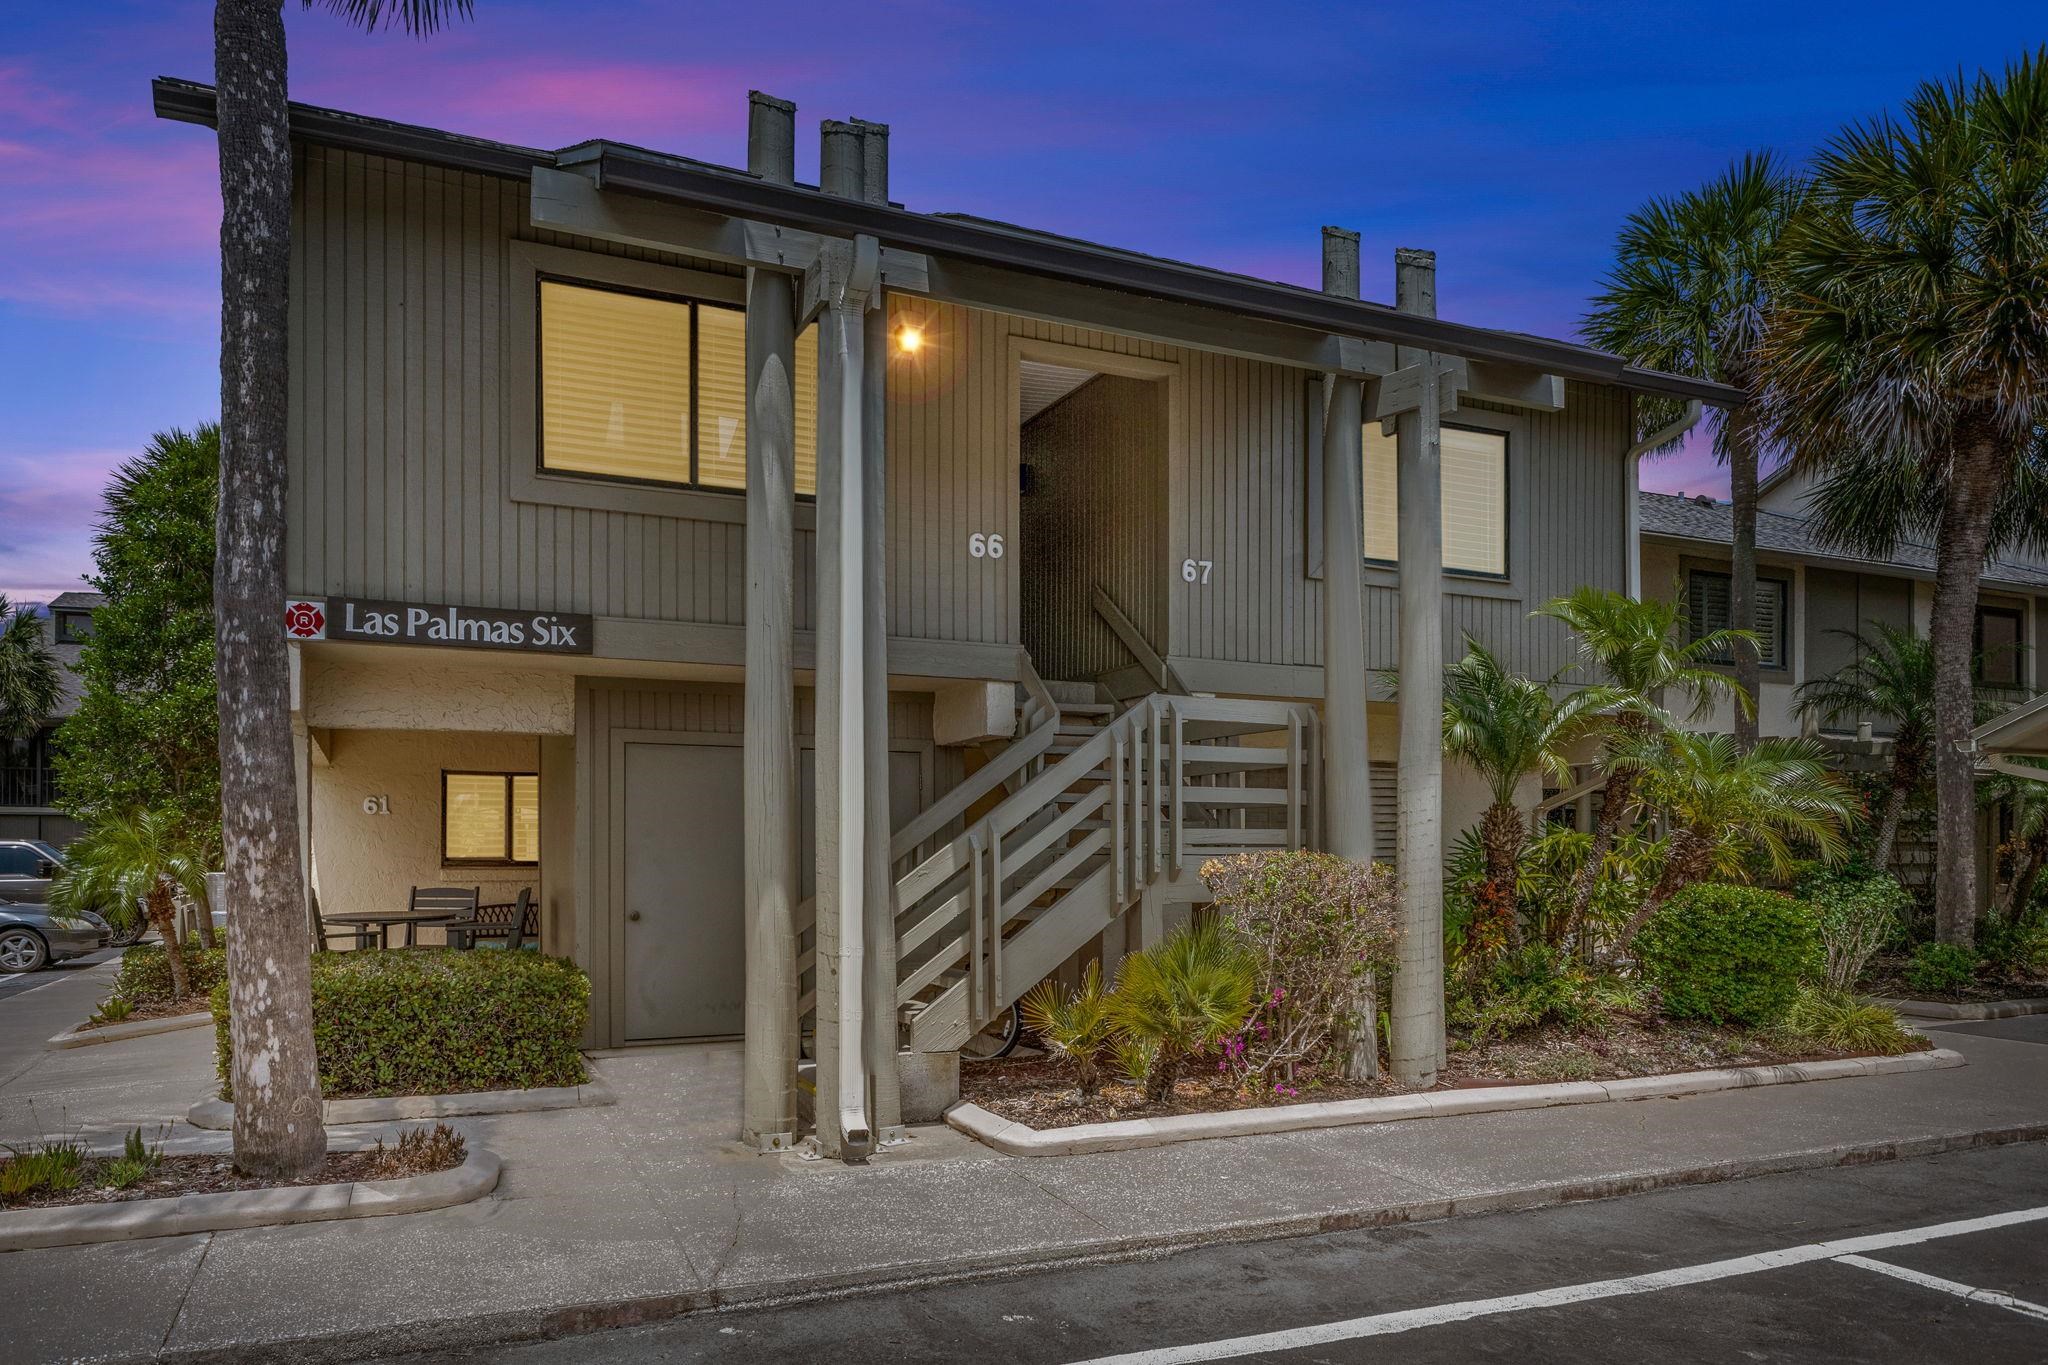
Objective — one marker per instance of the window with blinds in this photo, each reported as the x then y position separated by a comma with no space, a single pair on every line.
490,818
1707,608
655,389
1475,500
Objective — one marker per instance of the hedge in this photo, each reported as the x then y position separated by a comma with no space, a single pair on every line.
145,975
434,1021
1732,954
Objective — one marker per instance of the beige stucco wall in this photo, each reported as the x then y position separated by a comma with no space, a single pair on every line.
368,687
363,861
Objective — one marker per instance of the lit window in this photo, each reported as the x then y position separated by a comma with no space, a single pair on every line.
490,818
1475,496
1707,607
655,390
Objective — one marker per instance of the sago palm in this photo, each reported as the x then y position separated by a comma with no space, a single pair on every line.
1641,649
1074,1025
29,686
1891,680
1912,326
1724,805
1691,286
1180,998
138,857
1507,727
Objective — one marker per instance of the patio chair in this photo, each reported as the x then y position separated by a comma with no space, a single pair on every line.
510,924
355,935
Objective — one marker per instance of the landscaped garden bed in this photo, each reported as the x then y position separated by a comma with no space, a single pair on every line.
142,988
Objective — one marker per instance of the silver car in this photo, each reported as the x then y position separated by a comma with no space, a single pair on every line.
32,937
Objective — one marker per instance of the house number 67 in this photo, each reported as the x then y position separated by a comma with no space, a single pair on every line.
1196,570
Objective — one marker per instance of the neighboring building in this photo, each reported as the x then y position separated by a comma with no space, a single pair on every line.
571,440
28,788
1810,594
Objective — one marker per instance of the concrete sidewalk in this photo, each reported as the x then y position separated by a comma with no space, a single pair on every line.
645,1210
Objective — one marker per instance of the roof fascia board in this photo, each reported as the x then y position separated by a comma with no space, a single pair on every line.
1881,566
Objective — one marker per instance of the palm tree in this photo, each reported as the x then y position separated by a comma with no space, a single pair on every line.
2025,850
137,857
29,687
1724,805
1892,680
1912,325
1507,727
1690,289
276,1086
1640,648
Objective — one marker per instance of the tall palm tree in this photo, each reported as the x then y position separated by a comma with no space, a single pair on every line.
276,1086
29,686
1690,289
1507,727
1891,680
137,857
1724,805
1912,324
1641,651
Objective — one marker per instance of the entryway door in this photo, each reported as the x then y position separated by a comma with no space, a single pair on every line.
684,869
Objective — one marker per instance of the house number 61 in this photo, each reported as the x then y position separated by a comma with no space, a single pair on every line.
988,546
1196,570
376,805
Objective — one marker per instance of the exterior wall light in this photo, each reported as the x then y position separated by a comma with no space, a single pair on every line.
909,338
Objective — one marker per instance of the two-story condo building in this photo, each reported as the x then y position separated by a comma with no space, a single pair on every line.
843,616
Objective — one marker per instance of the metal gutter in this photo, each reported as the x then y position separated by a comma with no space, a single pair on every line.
1686,421
739,194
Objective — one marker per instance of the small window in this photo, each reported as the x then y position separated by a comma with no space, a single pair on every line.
1707,608
1475,499
490,819
2001,646
654,390
73,627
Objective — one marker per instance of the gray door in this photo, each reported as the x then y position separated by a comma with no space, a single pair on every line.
685,937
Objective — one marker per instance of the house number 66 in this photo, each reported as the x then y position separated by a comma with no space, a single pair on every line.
988,546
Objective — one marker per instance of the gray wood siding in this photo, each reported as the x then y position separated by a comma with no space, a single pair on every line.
1096,517
1838,601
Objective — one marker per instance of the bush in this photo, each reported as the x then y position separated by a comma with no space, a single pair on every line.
1940,969
1532,987
436,1021
1318,927
1832,1020
1857,916
1731,954
1073,1025
145,975
1179,998
2012,946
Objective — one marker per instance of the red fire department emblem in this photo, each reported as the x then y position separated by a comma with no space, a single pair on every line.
305,620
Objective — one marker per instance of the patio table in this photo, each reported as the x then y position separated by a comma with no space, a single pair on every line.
385,919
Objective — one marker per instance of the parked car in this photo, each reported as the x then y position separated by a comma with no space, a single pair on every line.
31,937
28,866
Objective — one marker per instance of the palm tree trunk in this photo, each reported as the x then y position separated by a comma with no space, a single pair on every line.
1501,834
1615,796
278,1128
163,913
2021,893
1685,862
1888,825
1978,471
1742,481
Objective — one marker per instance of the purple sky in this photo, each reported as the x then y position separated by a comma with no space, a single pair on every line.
1510,138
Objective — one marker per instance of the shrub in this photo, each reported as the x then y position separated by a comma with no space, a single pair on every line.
1834,1020
1731,954
1533,987
1858,914
1180,998
2012,945
1073,1025
145,975
1940,969
1319,928
435,1021
42,1167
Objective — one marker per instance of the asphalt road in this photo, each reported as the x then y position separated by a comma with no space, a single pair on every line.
23,982
1948,1261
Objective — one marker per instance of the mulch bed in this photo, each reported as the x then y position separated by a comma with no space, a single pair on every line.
176,1175
154,1009
1886,978
1041,1092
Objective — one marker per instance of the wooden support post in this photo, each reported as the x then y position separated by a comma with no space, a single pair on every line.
769,798
1417,1042
847,271
1347,782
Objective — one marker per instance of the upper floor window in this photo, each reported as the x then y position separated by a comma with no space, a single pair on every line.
2001,646
490,818
73,626
654,389
1707,607
1475,500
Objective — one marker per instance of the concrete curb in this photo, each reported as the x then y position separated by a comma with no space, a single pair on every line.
80,1224
1018,1139
78,1035
1941,1009
549,1323
219,1115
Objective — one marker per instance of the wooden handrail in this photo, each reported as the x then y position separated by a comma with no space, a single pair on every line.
1161,672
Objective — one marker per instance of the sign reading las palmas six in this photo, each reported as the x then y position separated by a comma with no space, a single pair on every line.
415,623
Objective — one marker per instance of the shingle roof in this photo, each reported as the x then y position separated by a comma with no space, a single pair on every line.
1708,522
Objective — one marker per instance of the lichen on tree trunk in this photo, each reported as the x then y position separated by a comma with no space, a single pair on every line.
276,1086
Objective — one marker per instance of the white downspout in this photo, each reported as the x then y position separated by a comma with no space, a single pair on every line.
1687,420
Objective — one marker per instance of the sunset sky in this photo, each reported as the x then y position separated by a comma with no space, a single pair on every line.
1512,138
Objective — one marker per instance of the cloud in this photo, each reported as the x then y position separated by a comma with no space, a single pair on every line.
49,503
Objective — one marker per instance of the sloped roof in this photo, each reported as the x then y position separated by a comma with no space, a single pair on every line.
1704,521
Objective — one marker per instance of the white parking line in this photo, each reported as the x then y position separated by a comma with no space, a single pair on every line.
1961,1291
1411,1319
